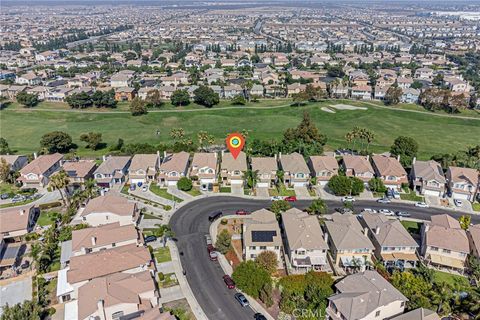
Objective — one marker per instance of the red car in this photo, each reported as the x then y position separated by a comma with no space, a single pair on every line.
291,199
229,282
242,212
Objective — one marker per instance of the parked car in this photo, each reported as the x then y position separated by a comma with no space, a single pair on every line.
213,255
402,214
259,316
229,281
421,205
133,187
242,212
458,202
387,212
348,199
25,265
151,238
242,300
208,239
291,199
145,188
396,194
369,210
276,198
383,200
214,215
18,198
4,196
344,210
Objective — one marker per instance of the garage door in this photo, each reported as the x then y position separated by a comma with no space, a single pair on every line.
236,182
207,181
323,183
171,183
432,193
460,196
299,184
263,184
135,181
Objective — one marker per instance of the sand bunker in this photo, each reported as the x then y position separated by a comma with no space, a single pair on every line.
346,107
327,109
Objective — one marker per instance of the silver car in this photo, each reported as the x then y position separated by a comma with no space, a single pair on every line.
242,300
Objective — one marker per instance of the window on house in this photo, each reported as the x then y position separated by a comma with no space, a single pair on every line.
263,248
253,248
402,304
377,314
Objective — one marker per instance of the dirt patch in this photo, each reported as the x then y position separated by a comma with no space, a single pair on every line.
180,307
232,257
346,107
327,109
274,310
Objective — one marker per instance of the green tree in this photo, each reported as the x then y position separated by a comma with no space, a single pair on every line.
27,100
56,141
138,107
93,140
406,148
300,98
59,181
305,138
315,93
280,206
184,184
205,96
251,177
79,100
392,96
251,278
376,185
465,221
340,185
318,206
4,148
415,288
357,186
474,264
224,241
5,170
204,139
268,261
239,100
28,310
153,99
180,98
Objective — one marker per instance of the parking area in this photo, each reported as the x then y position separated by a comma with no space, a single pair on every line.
15,292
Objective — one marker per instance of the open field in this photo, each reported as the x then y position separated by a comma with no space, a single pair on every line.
23,128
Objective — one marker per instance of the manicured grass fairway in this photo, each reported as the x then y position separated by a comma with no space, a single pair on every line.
23,128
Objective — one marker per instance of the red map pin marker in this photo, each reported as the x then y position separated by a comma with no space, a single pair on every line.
235,143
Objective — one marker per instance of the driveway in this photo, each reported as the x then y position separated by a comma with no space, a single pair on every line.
262,192
178,193
15,292
301,192
237,190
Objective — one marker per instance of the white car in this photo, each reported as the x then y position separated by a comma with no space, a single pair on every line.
276,198
421,205
348,199
145,188
457,202
370,210
387,212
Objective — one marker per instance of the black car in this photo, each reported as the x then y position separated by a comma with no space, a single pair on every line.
259,316
214,216
25,265
150,239
4,196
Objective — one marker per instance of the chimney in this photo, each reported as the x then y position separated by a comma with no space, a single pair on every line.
413,160
398,158
101,310
22,212
275,156
427,227
104,158
279,155
365,232
102,192
34,155
325,237
368,157
158,153
94,241
377,230
164,154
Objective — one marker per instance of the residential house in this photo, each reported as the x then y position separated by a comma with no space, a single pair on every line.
474,239
323,168
363,92
121,80
305,244
261,233
418,314
37,173
204,169
112,171
10,253
404,83
124,94
427,178
257,90
266,169
79,171
173,167
295,170
14,90
390,171
16,162
463,183
231,170
109,209
232,90
393,244
424,73
143,168
17,221
358,166
348,241
380,92
295,88
410,95
365,296
444,243
29,79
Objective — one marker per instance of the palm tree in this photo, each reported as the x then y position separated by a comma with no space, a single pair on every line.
280,175
349,138
369,136
60,181
35,250
318,206
251,176
90,188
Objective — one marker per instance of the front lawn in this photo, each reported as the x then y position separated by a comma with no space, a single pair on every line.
46,218
476,206
412,226
167,280
281,190
163,192
411,196
8,188
449,278
150,216
162,254
194,192
225,189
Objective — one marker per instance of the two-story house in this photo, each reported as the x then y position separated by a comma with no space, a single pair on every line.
112,171
427,178
109,209
444,243
37,173
295,170
463,182
204,169
16,162
232,170
348,241
390,171
358,166
173,167
365,296
393,244
79,171
17,221
323,168
266,169
144,168
474,239
261,233
305,244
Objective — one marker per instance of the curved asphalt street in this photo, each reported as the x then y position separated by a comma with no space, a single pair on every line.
190,224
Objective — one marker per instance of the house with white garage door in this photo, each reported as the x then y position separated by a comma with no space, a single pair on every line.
323,168
232,169
427,178
463,182
204,168
174,166
390,171
144,168
266,168
295,170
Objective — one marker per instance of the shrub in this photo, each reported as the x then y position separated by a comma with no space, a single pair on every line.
224,242
224,221
161,276
184,184
167,207
49,205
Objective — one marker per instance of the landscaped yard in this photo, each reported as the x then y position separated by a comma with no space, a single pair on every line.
225,189
449,278
150,216
194,192
162,254
15,204
167,280
411,196
412,227
264,122
46,218
163,192
281,190
476,206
